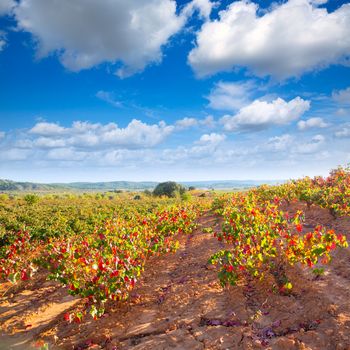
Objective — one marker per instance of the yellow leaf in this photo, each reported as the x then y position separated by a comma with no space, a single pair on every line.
288,285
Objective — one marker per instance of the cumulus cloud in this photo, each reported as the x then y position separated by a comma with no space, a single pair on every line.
342,96
212,138
230,96
103,142
204,7
312,123
86,135
138,134
47,142
6,6
186,123
47,129
290,39
84,35
261,115
229,155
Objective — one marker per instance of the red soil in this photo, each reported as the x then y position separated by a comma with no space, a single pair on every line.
179,304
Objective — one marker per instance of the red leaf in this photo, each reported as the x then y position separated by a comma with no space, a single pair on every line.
24,276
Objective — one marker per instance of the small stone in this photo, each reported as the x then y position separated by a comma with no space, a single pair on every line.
285,344
329,332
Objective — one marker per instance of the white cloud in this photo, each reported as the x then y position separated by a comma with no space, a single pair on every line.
318,138
286,41
186,123
85,34
238,157
126,156
138,134
47,129
280,143
212,138
344,132
342,112
309,147
206,147
289,144
319,2
14,154
262,114
204,7
48,142
312,123
85,135
342,96
208,121
65,154
2,134
108,97
6,6
229,96
2,40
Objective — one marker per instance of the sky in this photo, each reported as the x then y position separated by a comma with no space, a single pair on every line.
103,90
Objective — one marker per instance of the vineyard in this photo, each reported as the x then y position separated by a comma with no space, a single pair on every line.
266,268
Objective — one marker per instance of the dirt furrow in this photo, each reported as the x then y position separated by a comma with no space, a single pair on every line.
179,304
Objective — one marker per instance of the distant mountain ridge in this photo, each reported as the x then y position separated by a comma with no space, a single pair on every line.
9,185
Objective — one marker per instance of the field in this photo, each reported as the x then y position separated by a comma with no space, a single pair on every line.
266,268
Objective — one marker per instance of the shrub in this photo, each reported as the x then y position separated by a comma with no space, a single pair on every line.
147,192
186,196
31,199
4,197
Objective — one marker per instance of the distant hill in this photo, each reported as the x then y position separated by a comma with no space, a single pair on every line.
227,184
108,186
8,185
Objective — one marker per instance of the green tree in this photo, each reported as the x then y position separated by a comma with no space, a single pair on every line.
169,189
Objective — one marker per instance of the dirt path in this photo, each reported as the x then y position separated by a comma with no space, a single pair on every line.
179,304
178,295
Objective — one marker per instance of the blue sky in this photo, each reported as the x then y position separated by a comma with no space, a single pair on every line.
186,90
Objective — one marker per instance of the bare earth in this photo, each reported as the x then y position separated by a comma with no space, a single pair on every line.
179,304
